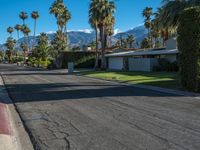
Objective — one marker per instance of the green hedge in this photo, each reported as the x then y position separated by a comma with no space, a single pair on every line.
80,59
189,47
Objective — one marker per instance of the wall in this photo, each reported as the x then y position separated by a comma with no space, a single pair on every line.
142,64
115,63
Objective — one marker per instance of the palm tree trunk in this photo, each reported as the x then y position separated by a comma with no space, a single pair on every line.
28,43
105,41
18,34
34,27
65,30
103,59
167,34
97,46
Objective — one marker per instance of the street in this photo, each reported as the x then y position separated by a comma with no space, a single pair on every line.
63,112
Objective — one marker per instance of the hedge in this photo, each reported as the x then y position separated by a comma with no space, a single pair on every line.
80,59
189,47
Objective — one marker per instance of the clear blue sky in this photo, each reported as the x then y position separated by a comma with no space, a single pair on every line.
128,14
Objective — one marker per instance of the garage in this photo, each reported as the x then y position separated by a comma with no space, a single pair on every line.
115,63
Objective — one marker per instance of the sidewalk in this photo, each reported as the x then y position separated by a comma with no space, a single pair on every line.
12,133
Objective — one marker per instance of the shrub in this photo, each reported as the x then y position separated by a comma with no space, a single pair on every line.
189,47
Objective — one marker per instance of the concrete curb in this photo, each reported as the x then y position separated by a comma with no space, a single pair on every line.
148,87
18,138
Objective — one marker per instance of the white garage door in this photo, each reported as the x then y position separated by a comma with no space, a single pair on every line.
115,63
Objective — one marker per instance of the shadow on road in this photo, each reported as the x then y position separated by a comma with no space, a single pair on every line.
63,91
67,89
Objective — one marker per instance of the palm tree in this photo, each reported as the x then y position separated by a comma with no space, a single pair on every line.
93,20
10,43
171,9
26,31
130,40
155,31
103,10
18,28
23,15
109,28
10,30
35,15
57,8
147,13
62,15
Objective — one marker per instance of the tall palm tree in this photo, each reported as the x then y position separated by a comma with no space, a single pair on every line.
23,15
94,24
103,9
93,20
130,40
155,31
147,13
62,15
171,9
10,30
109,28
18,28
35,15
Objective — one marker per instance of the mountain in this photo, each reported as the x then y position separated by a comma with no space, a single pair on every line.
80,38
139,32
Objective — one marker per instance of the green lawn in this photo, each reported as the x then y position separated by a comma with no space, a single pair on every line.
160,79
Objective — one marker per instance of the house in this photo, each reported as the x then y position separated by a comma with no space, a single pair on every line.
143,59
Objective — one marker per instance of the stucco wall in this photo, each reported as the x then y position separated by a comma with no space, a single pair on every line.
142,64
115,63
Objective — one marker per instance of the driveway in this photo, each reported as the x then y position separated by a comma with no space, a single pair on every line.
63,112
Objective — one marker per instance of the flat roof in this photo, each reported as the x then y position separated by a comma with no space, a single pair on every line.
144,52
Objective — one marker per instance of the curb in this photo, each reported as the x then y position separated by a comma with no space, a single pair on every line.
148,87
14,136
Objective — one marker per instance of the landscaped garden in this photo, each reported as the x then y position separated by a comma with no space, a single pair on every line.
160,79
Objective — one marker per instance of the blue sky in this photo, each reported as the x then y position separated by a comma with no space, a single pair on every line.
128,14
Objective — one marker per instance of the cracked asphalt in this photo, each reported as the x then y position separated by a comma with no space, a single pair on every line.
68,112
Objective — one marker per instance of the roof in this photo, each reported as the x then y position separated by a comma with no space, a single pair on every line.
144,52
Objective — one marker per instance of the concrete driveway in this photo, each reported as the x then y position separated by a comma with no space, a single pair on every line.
64,112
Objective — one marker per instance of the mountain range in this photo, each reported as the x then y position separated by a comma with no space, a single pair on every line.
80,38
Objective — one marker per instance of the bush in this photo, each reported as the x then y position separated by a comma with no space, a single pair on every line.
39,63
18,59
189,47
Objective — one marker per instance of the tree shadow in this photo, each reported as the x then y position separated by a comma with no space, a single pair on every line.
60,91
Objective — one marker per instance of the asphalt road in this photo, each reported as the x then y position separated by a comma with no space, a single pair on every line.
72,112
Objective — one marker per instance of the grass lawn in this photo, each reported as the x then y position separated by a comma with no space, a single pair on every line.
160,79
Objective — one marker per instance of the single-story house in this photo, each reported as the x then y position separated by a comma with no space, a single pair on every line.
142,60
